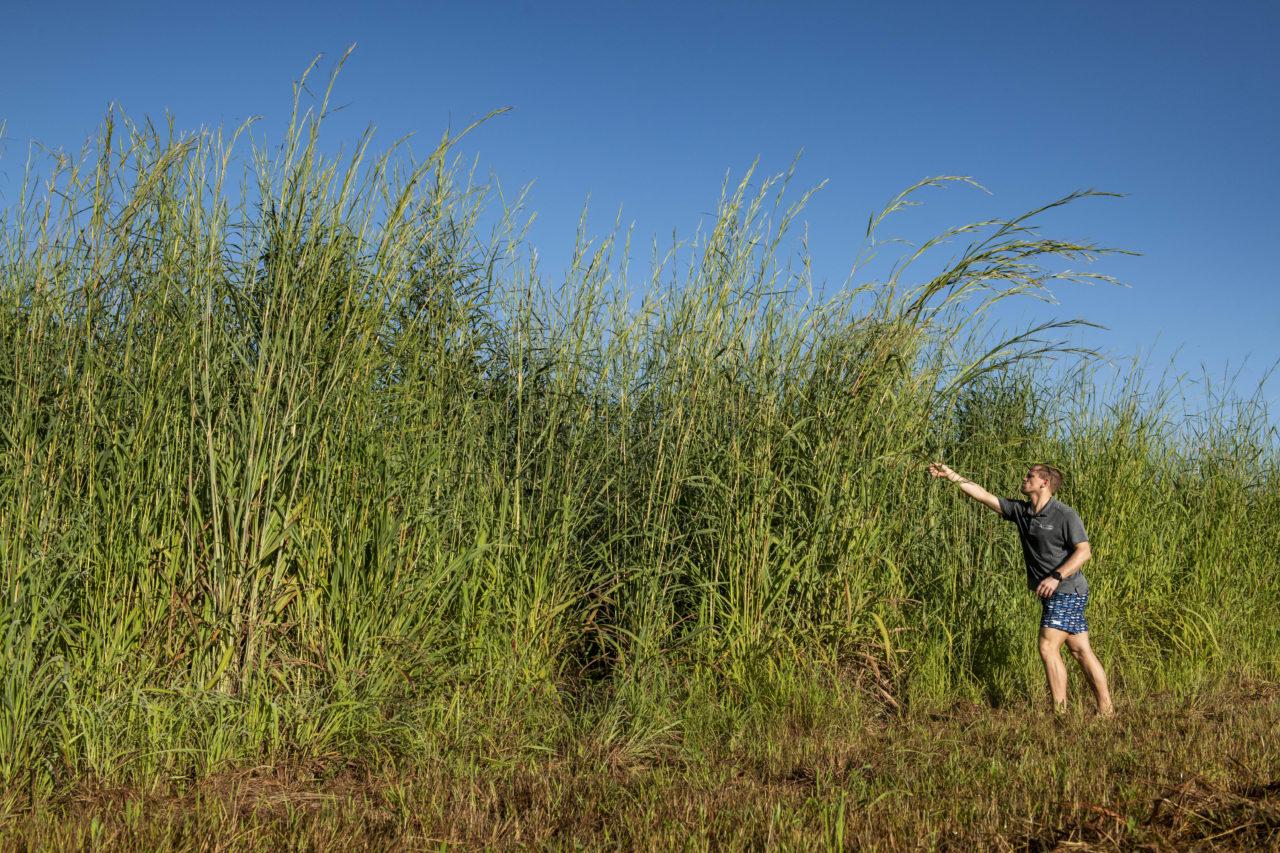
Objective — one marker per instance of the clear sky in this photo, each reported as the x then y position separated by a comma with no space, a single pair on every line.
647,105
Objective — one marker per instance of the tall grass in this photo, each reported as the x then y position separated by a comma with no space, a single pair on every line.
305,455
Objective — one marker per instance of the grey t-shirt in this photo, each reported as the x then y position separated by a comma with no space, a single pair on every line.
1048,538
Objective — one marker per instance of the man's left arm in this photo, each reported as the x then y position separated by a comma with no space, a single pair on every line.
1077,536
1078,558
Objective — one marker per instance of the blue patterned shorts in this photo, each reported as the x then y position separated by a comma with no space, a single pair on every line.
1064,611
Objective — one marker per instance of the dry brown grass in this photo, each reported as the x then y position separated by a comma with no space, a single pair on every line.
1169,774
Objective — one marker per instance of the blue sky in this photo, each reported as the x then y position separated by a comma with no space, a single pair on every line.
648,105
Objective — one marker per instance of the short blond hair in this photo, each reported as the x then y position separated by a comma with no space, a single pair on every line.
1051,475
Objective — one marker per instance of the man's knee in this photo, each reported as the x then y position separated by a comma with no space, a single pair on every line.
1079,648
1050,647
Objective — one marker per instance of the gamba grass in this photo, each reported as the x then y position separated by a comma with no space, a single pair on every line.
305,459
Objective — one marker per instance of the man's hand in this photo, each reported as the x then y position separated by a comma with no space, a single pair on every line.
1047,587
967,486
937,469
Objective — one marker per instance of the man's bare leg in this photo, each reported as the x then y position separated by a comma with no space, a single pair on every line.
1055,671
1080,649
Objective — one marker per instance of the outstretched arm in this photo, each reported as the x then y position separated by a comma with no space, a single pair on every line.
967,486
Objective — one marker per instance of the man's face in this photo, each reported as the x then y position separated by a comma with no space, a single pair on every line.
1032,482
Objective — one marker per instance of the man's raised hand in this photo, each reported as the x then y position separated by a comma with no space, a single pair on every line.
967,486
937,469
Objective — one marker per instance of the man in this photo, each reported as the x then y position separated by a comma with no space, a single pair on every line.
1054,548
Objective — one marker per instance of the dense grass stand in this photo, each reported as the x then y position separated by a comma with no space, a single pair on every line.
305,459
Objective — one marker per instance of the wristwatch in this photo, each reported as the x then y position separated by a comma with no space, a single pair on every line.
1054,574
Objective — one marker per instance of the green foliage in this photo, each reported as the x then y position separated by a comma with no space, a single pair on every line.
320,467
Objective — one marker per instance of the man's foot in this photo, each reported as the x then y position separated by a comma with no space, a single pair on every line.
1107,712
